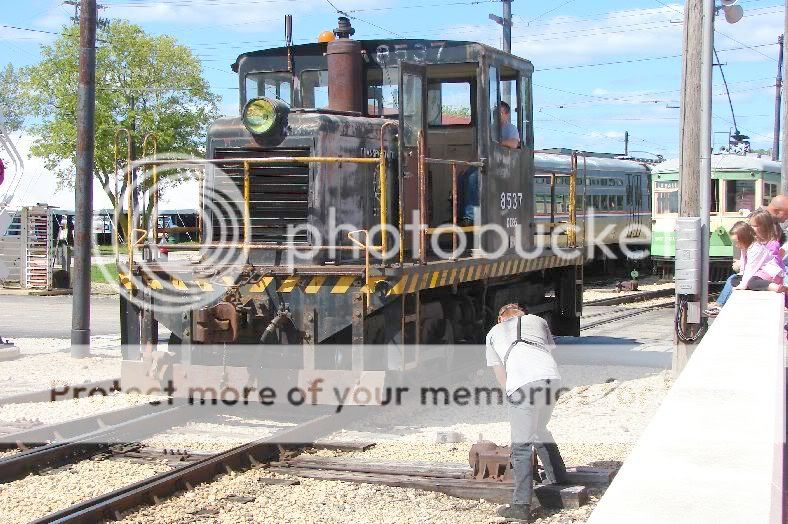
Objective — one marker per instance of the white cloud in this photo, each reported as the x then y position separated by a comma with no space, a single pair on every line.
570,40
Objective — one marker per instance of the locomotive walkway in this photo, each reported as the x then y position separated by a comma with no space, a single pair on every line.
714,450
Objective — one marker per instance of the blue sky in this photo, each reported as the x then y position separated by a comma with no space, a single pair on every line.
578,102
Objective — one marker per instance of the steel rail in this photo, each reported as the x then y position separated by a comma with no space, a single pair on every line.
67,451
634,297
70,428
625,316
52,394
165,484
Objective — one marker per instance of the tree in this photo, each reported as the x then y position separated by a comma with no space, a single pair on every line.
12,106
145,83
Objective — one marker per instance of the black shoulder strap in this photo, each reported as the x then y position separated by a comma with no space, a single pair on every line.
519,340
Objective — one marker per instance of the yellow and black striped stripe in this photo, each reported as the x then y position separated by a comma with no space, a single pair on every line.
414,278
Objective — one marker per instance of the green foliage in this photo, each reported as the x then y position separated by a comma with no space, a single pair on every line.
12,106
144,83
458,111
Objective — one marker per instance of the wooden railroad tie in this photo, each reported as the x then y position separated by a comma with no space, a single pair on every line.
452,479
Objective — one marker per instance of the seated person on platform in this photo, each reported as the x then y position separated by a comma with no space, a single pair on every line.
759,269
469,180
769,234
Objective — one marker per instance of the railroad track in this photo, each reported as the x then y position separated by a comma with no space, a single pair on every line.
204,469
620,314
632,297
57,393
59,444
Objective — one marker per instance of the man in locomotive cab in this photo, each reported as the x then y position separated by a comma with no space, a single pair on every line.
509,136
469,180
519,349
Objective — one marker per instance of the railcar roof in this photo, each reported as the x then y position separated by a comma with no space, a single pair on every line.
727,162
563,163
315,48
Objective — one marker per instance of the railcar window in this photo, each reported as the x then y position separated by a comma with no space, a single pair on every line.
620,202
314,89
739,195
769,192
383,91
449,104
667,196
715,196
542,204
269,84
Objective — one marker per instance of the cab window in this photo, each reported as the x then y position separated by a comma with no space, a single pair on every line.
383,91
271,85
449,103
314,89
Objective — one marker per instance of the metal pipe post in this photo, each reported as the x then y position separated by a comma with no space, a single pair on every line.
83,201
704,184
778,85
784,184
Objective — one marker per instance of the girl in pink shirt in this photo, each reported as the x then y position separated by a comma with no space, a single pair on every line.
760,271
768,233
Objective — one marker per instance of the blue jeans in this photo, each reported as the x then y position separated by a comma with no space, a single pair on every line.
725,294
530,408
468,183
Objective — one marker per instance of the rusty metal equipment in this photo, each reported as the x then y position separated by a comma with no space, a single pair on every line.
216,324
627,285
490,462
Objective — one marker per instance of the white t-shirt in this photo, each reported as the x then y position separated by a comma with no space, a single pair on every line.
526,363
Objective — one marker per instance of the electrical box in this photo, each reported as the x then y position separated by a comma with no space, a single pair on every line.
688,256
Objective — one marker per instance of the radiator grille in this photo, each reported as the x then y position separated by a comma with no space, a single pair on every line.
278,193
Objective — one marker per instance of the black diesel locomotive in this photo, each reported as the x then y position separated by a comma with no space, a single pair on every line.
366,135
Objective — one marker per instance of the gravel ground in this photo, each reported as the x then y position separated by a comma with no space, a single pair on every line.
38,495
213,436
592,292
54,412
243,498
44,363
597,422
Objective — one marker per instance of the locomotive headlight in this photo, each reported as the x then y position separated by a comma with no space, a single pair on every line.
262,115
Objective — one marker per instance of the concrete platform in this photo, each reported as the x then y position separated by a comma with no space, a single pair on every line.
713,451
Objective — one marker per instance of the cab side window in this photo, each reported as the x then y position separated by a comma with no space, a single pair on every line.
506,118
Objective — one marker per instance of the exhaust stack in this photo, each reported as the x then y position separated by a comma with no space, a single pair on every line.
344,70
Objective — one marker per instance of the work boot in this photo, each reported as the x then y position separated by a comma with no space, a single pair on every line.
515,513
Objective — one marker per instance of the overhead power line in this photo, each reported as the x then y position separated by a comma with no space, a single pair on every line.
645,59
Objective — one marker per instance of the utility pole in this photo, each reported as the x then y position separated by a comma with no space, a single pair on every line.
687,285
778,85
505,22
83,204
626,143
692,227
784,184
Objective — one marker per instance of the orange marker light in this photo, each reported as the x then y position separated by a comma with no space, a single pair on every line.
325,37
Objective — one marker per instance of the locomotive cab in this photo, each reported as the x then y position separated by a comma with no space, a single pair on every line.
330,236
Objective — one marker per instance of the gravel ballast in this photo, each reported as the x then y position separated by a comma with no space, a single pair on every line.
596,422
35,496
